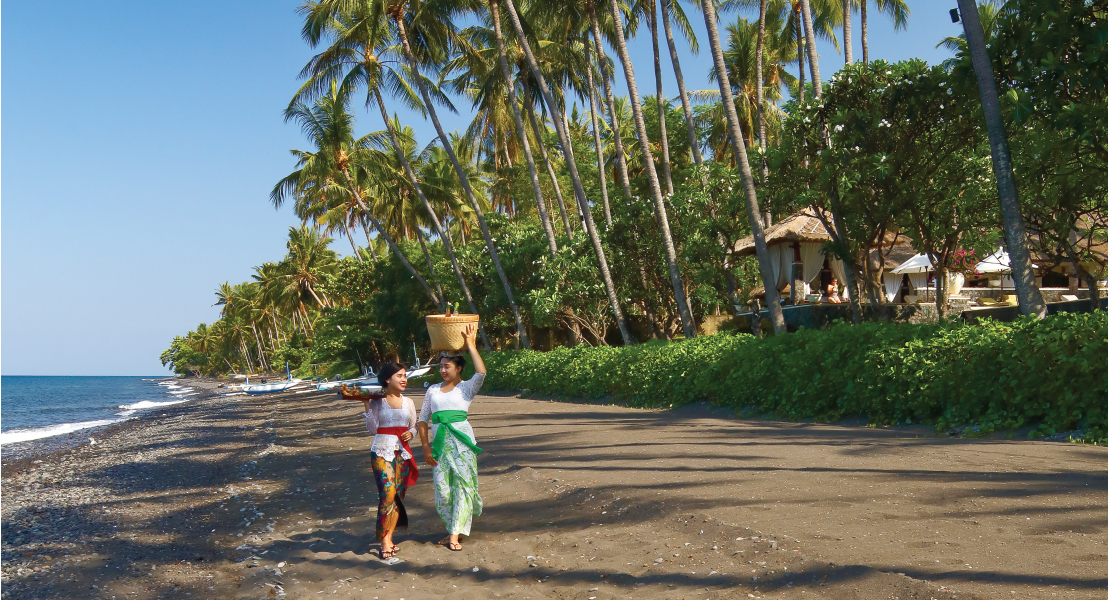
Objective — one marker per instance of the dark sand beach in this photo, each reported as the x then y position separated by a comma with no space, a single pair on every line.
273,497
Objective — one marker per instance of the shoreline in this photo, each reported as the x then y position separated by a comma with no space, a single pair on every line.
271,496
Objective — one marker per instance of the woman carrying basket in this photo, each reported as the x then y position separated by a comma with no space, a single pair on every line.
452,449
391,417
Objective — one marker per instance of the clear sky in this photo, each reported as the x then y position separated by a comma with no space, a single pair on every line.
140,143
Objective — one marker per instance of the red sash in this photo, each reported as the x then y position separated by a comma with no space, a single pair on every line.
413,472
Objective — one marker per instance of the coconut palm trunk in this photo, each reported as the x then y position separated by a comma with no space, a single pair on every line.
414,67
652,25
689,327
511,89
579,191
388,240
529,106
800,52
606,78
346,232
810,41
760,100
446,239
430,265
769,285
370,243
1029,298
862,29
593,101
847,32
691,129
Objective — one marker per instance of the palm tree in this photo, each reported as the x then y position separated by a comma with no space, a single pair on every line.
897,10
579,191
753,213
509,92
651,12
330,127
669,7
606,78
360,41
1029,298
434,26
688,325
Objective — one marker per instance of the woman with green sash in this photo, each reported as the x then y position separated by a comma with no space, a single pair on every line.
452,449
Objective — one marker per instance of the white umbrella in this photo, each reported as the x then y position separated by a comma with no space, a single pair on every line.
917,264
998,262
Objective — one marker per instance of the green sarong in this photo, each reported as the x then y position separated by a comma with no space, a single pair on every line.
443,419
455,477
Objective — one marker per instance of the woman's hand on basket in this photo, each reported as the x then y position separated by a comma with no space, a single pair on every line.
469,335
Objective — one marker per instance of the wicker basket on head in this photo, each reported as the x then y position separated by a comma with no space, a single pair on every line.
446,332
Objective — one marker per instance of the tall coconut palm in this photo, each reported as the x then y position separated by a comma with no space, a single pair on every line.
651,13
753,213
529,107
329,125
1029,298
594,101
361,55
438,23
689,327
671,9
508,88
606,79
897,10
579,190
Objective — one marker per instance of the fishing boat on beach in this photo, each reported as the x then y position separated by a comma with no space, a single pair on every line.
255,389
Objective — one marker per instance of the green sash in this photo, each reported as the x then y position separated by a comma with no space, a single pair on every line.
443,419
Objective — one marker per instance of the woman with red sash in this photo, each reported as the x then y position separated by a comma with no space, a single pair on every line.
391,417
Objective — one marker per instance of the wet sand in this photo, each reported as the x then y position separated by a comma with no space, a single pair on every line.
271,497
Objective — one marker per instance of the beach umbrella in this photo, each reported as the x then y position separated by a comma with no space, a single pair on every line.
998,262
917,264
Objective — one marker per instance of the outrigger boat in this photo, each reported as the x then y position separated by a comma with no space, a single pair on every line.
271,388
330,385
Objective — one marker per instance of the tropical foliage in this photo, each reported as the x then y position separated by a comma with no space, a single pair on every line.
567,215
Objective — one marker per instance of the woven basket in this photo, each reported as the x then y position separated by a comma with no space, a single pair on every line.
446,332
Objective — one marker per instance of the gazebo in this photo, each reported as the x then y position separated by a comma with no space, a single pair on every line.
795,245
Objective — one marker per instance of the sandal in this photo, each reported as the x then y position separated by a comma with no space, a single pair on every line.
444,542
390,553
454,546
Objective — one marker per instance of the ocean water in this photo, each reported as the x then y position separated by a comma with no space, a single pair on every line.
32,408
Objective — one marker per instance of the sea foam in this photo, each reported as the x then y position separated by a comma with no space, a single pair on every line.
35,433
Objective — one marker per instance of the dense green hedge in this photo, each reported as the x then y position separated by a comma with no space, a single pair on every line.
1050,374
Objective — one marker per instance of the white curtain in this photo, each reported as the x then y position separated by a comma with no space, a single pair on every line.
775,257
785,276
919,281
891,283
812,258
840,274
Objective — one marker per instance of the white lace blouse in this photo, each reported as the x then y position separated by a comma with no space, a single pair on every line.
381,415
459,398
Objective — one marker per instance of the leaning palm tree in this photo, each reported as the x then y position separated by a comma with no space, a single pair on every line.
1029,298
363,54
329,125
672,10
579,190
689,327
753,213
434,27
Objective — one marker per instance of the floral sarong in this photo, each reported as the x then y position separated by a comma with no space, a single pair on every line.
456,490
392,482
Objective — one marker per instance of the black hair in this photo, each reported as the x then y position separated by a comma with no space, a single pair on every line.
387,371
458,361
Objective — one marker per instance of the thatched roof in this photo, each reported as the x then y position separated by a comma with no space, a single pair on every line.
802,226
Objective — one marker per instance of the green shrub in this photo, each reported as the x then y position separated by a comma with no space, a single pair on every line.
1049,374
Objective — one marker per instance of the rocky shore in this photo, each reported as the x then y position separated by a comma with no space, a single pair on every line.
272,497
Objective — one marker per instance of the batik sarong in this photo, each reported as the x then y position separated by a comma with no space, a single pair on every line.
456,491
392,482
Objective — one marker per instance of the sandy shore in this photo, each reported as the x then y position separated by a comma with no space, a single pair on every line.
271,497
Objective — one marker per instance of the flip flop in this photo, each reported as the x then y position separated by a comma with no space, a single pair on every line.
454,547
390,553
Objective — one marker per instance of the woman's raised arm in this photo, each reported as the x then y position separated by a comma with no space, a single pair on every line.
469,335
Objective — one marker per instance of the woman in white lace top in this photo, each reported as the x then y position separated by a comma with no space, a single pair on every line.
392,420
453,451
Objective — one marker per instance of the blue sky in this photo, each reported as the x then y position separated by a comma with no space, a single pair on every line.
140,143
